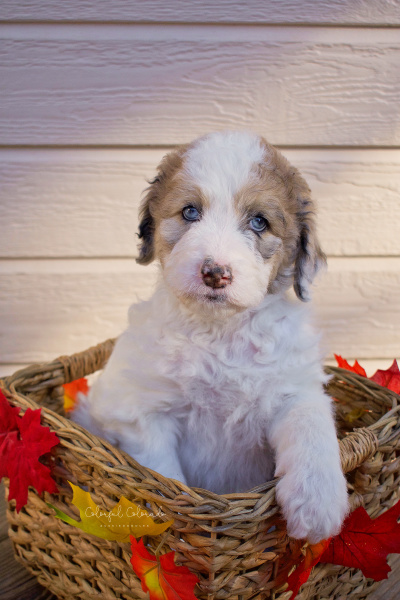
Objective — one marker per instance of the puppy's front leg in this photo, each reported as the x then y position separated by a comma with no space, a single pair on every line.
154,446
312,492
149,439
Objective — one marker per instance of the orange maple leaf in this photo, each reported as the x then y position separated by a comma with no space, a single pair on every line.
160,576
356,368
71,391
312,555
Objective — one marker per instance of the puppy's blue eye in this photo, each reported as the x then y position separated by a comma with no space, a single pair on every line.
258,224
190,213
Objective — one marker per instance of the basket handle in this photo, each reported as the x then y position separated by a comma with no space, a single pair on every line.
61,370
82,363
356,447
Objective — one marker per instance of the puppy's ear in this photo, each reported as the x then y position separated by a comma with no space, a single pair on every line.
146,224
309,257
153,200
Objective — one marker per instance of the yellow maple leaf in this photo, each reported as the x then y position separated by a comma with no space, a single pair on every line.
125,519
354,414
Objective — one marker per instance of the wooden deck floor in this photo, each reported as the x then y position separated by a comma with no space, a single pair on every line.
15,581
17,584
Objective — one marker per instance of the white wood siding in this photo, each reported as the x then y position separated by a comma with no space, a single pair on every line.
84,203
157,84
50,307
92,95
329,12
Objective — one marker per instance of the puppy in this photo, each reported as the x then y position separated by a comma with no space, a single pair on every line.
217,381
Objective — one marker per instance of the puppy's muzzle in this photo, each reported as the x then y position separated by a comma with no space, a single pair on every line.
215,275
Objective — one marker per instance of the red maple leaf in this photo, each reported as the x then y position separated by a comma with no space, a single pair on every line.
364,543
312,555
8,431
23,440
160,576
390,378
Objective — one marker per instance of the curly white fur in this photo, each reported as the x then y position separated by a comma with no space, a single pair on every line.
220,388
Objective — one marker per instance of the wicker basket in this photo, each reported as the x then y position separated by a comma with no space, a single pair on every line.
235,543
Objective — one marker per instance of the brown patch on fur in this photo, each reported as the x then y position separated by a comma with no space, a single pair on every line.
169,222
279,193
151,208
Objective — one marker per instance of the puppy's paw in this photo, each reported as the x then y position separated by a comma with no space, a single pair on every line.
314,504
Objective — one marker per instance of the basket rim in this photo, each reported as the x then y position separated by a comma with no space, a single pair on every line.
206,502
364,383
60,369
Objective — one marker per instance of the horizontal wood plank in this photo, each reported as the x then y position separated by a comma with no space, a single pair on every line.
389,589
53,307
49,308
357,307
144,84
71,203
16,583
362,12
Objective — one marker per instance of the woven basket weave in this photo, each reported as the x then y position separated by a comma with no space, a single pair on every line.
235,543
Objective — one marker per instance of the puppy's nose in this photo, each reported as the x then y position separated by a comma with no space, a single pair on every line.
215,275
